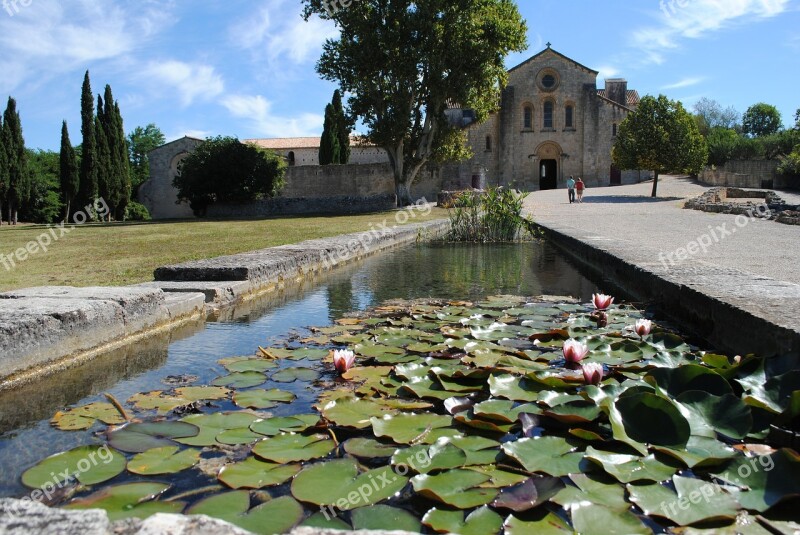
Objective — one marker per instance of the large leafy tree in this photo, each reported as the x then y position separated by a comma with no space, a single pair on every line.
661,136
402,61
710,115
88,182
18,189
225,170
330,151
69,177
140,142
761,120
44,205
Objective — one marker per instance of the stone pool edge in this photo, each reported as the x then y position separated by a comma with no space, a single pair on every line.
736,311
47,329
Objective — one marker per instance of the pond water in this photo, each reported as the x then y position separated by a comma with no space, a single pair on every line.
439,271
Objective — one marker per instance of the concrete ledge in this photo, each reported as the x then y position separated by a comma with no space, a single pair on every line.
736,311
278,265
27,517
217,293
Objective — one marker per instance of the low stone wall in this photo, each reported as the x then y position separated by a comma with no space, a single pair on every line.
718,201
281,206
743,174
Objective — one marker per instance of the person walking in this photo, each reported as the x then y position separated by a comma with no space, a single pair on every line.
580,186
571,189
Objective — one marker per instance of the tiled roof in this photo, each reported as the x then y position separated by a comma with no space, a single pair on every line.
286,143
632,97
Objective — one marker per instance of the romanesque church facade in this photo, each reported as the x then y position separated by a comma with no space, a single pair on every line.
553,122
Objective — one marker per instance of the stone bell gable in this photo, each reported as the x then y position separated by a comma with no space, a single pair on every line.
553,123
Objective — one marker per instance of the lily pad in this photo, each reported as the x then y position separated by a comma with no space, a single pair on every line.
262,399
689,377
248,364
290,375
482,521
90,465
367,448
548,524
284,424
652,419
132,500
514,388
341,484
383,517
710,414
554,456
241,380
592,519
766,480
691,502
413,428
592,489
299,354
140,437
212,425
164,460
352,412
254,474
275,516
81,418
457,488
529,494
631,468
288,448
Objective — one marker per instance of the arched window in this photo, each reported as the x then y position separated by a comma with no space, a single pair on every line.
569,117
290,158
488,143
528,120
548,114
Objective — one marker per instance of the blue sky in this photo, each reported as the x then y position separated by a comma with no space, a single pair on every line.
246,68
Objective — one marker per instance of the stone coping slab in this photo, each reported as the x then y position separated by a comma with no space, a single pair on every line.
217,293
290,262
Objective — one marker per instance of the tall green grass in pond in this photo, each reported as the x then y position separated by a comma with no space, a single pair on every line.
492,216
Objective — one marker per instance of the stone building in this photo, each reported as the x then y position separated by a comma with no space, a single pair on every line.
158,194
300,151
553,122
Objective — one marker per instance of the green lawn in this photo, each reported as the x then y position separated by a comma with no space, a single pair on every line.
126,253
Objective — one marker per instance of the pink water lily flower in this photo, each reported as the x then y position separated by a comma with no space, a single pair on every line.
643,327
343,360
602,301
574,351
592,373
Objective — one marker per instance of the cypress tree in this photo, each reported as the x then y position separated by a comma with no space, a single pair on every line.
114,165
88,178
16,161
70,178
329,150
342,128
3,172
104,179
124,182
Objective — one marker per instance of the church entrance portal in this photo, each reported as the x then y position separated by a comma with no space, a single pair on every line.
548,174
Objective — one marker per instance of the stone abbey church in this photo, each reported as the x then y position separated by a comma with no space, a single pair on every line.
553,122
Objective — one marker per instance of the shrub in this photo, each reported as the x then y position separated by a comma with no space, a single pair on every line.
495,216
136,212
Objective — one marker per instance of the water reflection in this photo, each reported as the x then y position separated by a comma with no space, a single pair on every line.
461,272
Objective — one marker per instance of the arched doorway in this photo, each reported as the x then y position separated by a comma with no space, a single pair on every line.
548,174
548,156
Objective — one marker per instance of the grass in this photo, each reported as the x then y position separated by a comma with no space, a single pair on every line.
127,253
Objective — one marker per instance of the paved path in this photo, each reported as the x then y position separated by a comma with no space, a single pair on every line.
661,226
740,286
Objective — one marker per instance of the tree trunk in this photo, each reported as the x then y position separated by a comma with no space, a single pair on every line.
66,217
403,194
655,185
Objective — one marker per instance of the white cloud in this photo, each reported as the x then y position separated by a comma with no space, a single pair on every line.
48,38
256,111
686,82
277,35
189,81
694,19
607,71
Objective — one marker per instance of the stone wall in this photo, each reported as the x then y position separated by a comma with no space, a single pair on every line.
744,174
157,194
